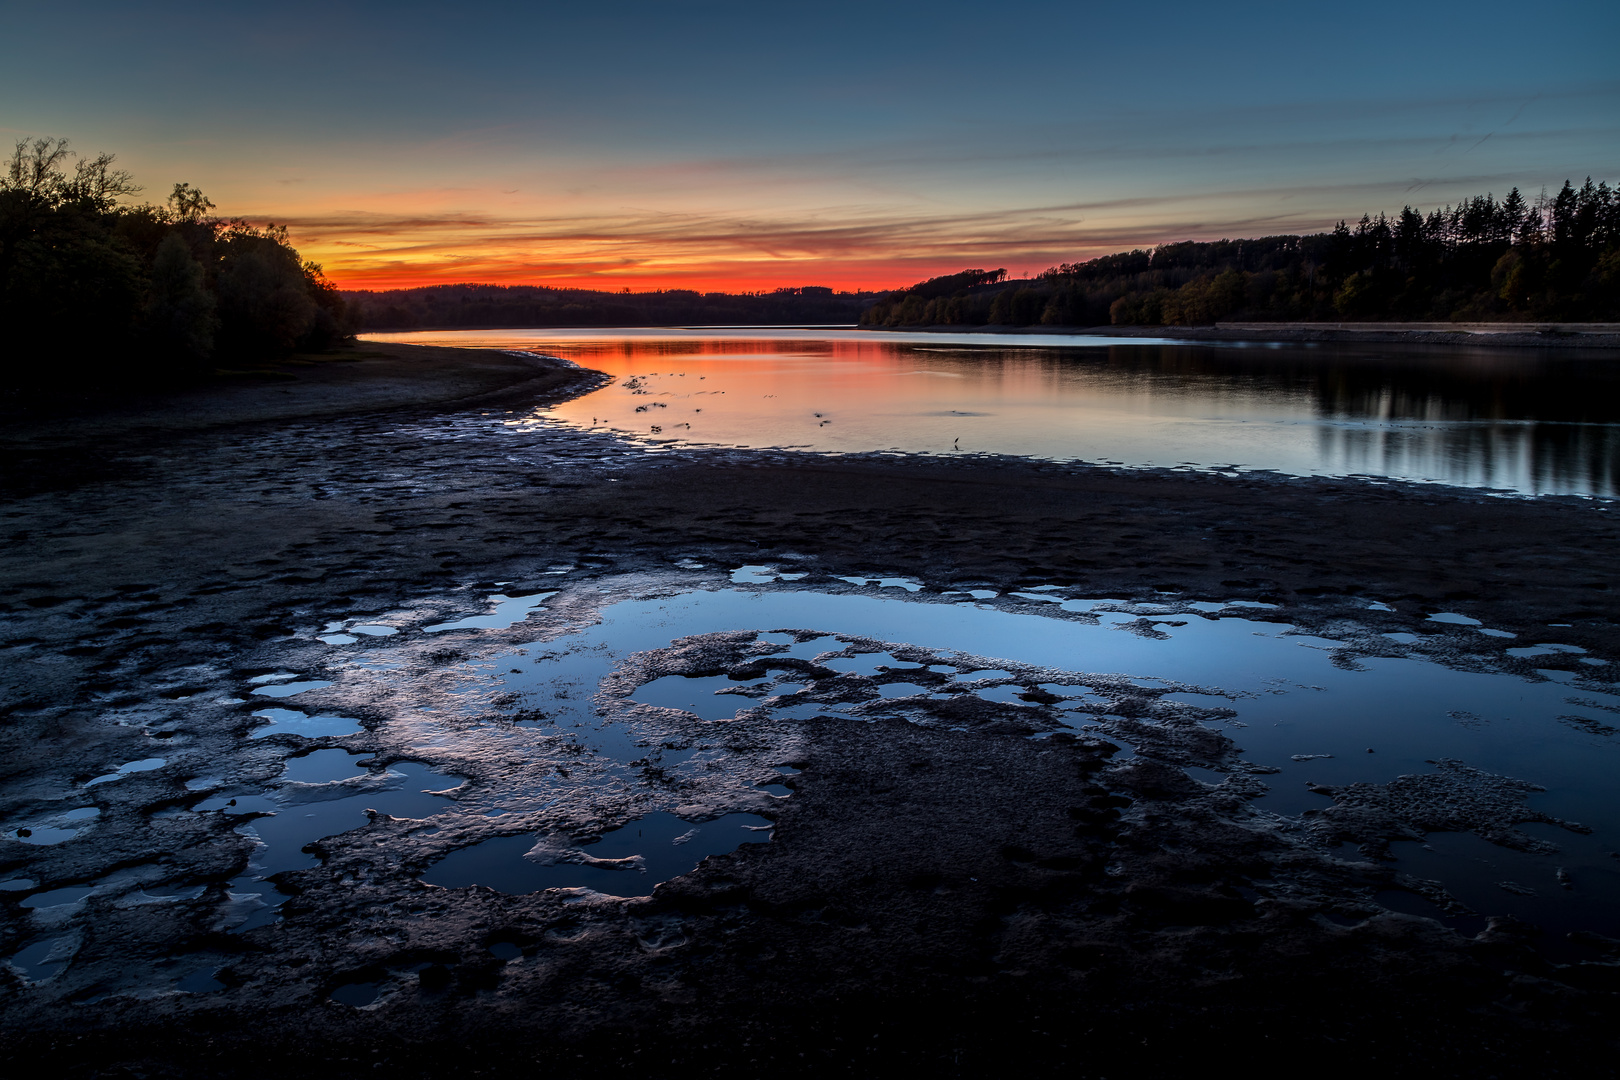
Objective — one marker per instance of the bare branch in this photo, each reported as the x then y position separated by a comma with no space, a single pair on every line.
96,180
36,167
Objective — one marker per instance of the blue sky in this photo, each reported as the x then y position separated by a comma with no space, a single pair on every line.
752,145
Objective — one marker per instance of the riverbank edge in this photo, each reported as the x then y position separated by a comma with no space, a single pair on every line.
369,377
1294,333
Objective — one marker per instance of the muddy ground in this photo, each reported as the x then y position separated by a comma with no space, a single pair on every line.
960,898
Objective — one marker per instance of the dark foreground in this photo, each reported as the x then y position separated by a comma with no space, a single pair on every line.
1119,917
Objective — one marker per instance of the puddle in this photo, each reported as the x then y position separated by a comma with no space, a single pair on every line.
808,649
286,819
340,633
323,767
289,689
1571,889
657,847
292,722
864,663
902,689
43,959
1546,648
701,696
1011,694
58,829
68,897
357,994
143,765
509,611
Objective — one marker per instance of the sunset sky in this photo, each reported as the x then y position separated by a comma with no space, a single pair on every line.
755,145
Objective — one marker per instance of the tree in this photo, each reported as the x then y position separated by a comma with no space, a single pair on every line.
264,301
189,205
123,292
180,318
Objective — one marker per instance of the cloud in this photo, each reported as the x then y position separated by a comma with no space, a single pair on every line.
887,211
851,245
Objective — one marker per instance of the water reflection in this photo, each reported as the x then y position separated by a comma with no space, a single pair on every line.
1532,421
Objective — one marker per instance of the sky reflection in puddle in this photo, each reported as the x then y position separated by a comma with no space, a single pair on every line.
1295,709
294,817
667,847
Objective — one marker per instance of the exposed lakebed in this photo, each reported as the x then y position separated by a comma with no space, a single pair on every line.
611,734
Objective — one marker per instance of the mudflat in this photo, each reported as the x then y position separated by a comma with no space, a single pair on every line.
958,897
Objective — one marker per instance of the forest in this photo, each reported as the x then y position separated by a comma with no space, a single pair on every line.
92,287
497,306
1555,259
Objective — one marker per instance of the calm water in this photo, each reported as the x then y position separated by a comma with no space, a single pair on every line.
1529,421
1295,709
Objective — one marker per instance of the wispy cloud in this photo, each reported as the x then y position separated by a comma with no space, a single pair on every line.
846,246
884,211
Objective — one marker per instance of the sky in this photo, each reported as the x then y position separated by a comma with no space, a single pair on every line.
744,146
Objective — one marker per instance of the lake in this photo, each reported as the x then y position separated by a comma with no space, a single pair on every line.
1529,421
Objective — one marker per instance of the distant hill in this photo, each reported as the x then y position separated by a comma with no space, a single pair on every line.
1556,259
449,306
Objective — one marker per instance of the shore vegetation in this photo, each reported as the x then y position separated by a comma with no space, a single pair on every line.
116,291
1549,259
440,307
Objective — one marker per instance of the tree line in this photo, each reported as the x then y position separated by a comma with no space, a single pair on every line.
1555,259
93,286
498,306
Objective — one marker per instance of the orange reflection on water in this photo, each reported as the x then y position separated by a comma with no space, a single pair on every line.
1435,415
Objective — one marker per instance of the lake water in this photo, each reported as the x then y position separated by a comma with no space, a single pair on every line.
1524,420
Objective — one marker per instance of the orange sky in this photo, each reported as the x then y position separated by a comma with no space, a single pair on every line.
735,145
684,240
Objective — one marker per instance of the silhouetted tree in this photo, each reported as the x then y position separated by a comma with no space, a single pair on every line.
180,317
130,291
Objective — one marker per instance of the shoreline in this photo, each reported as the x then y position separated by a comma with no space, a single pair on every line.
152,568
1472,335
1338,333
